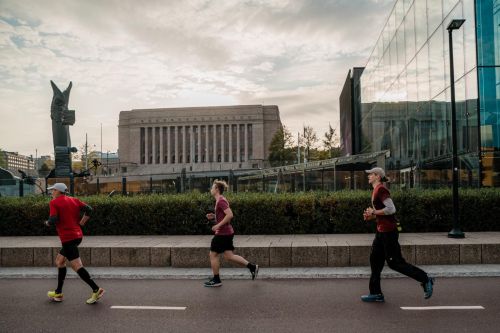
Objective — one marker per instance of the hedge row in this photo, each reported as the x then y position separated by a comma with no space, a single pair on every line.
260,213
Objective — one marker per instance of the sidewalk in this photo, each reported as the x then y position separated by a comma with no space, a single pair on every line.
330,250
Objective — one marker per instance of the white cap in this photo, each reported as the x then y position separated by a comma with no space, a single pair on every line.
378,171
61,187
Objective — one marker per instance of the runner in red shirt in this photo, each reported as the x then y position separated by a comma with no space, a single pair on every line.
386,246
224,234
65,214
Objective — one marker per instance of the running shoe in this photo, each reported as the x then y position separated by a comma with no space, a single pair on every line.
95,296
213,283
373,298
428,287
54,296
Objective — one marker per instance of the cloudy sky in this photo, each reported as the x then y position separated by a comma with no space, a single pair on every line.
125,54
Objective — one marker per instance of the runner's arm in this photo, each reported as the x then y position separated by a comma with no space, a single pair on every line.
52,220
225,220
53,215
87,212
389,208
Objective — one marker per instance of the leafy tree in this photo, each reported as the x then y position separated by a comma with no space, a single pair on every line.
309,139
281,150
331,142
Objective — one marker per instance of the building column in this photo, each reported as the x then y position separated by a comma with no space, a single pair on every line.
199,143
184,144
238,143
162,154
176,144
146,151
168,145
222,145
215,143
191,145
206,144
246,142
153,141
230,143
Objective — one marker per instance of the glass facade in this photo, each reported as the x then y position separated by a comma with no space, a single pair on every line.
406,98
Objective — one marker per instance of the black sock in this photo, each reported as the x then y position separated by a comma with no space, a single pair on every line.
85,276
251,266
216,277
60,279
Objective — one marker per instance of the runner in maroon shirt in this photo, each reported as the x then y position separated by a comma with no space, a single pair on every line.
224,234
386,246
65,215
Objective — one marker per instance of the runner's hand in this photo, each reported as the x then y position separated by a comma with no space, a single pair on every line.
46,223
215,227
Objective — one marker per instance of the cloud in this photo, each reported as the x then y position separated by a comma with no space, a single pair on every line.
122,55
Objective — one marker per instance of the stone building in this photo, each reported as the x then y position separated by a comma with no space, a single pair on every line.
196,138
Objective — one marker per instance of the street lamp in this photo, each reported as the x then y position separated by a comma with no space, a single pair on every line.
455,232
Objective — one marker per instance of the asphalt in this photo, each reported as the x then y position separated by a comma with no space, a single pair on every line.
290,305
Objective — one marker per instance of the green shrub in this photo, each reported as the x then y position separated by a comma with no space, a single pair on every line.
260,213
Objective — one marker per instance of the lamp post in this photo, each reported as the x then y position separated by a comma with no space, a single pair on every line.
455,232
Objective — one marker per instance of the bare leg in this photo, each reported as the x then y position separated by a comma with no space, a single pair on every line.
214,262
60,261
76,264
229,255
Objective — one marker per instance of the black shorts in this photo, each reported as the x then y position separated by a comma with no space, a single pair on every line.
222,243
70,249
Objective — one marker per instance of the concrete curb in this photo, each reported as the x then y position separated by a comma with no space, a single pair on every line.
337,250
168,273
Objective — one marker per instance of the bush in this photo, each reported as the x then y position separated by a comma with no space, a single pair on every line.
260,213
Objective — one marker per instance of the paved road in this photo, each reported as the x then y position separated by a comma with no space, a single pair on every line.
292,305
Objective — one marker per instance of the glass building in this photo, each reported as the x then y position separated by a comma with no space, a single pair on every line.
405,93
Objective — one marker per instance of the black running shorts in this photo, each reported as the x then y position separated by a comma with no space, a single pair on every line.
222,243
70,249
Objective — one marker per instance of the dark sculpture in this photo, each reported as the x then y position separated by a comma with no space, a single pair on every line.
62,118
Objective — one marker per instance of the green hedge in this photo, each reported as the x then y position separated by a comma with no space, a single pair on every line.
260,213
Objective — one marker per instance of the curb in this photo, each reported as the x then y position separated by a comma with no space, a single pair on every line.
168,273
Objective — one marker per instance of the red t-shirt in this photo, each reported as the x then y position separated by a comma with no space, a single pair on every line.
220,206
385,223
67,209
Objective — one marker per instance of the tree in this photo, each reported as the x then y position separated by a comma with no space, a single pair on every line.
280,149
331,142
309,139
79,159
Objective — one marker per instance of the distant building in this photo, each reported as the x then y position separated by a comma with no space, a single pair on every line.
110,163
196,138
14,162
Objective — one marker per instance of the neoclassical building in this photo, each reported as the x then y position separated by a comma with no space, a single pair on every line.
196,138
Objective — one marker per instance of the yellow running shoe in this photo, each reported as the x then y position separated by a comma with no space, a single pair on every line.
95,296
56,297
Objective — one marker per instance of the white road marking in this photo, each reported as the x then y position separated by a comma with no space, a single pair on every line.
178,308
424,308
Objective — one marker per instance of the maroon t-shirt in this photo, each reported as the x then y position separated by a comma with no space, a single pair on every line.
220,206
67,209
385,223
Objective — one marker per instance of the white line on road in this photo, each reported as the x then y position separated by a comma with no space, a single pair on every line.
178,308
423,308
